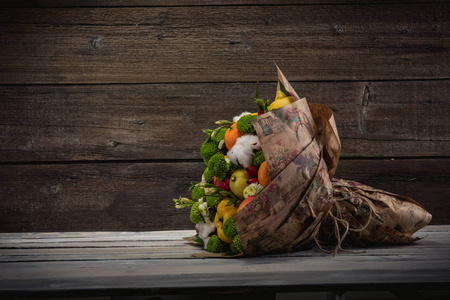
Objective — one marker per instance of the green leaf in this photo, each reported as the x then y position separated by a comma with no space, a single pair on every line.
256,91
197,239
207,131
283,89
193,185
215,131
263,104
224,122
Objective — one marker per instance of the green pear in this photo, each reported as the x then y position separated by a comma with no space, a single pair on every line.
238,182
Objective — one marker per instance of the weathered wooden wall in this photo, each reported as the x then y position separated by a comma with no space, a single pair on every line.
101,107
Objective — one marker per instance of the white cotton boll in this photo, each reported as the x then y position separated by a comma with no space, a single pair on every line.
242,152
235,119
204,231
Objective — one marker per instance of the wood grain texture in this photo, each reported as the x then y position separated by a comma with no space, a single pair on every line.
146,3
149,270
138,196
165,121
224,43
102,103
113,245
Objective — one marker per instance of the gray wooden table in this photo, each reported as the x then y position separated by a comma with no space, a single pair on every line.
161,263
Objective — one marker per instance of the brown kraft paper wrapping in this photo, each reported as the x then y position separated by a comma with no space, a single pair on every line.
286,216
303,206
302,147
372,216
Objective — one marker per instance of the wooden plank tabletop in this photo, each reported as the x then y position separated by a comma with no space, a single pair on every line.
161,262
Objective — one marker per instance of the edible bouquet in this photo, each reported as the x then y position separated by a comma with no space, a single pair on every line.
269,187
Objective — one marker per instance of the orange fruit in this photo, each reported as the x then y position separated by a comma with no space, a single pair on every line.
263,174
231,135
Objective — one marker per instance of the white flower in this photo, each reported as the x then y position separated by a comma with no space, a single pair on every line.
252,189
203,207
245,193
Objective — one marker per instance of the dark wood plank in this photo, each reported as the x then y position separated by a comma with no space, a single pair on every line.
224,43
395,119
120,3
397,267
165,121
105,196
138,196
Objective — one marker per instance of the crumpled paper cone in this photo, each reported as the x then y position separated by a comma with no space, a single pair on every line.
372,216
327,135
286,216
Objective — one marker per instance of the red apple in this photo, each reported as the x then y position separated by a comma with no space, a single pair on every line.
245,202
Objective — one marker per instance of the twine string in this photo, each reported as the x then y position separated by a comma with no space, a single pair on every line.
339,221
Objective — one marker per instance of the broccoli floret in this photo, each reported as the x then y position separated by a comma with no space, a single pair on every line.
218,166
213,200
258,158
220,135
244,124
208,149
197,192
207,175
215,244
229,229
236,246
196,214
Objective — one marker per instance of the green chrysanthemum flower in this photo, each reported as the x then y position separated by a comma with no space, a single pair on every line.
215,244
245,125
229,229
258,158
236,246
207,175
218,166
197,192
196,214
208,149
